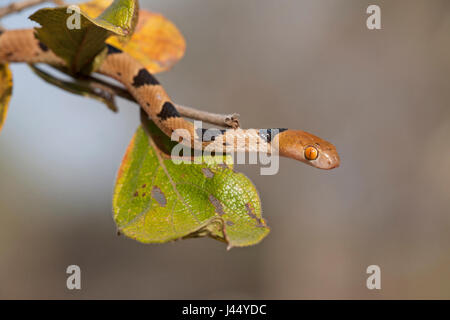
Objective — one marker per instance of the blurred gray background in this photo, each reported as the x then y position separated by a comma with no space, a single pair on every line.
382,97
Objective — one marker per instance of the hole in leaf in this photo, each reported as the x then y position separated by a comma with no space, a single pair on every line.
159,196
216,203
208,173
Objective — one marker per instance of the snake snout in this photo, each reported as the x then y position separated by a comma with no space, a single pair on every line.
330,160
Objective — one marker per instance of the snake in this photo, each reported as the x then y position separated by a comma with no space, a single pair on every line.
23,46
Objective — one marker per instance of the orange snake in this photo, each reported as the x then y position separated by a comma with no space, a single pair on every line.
22,46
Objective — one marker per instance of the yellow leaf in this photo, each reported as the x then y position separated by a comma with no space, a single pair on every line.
156,42
5,91
96,7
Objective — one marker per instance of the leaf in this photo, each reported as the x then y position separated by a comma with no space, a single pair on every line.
156,42
122,16
6,85
156,200
79,46
95,8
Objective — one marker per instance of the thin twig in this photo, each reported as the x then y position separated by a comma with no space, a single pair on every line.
19,6
223,120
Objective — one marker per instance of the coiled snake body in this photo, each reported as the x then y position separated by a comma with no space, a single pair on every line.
22,46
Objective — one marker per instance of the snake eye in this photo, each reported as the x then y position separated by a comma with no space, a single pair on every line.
311,153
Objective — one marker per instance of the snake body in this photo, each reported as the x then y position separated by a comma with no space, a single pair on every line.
23,46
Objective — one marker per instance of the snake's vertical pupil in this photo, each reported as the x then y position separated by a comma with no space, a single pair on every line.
311,153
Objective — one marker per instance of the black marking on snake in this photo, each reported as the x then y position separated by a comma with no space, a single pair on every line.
43,46
268,134
208,135
144,77
112,49
168,111
1,32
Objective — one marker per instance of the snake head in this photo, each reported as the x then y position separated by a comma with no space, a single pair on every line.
308,149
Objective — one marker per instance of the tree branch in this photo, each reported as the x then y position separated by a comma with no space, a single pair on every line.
19,6
223,120
106,91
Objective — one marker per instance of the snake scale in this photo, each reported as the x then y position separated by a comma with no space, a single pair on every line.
23,46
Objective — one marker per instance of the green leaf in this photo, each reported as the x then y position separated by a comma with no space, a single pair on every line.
6,85
79,46
156,200
122,16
